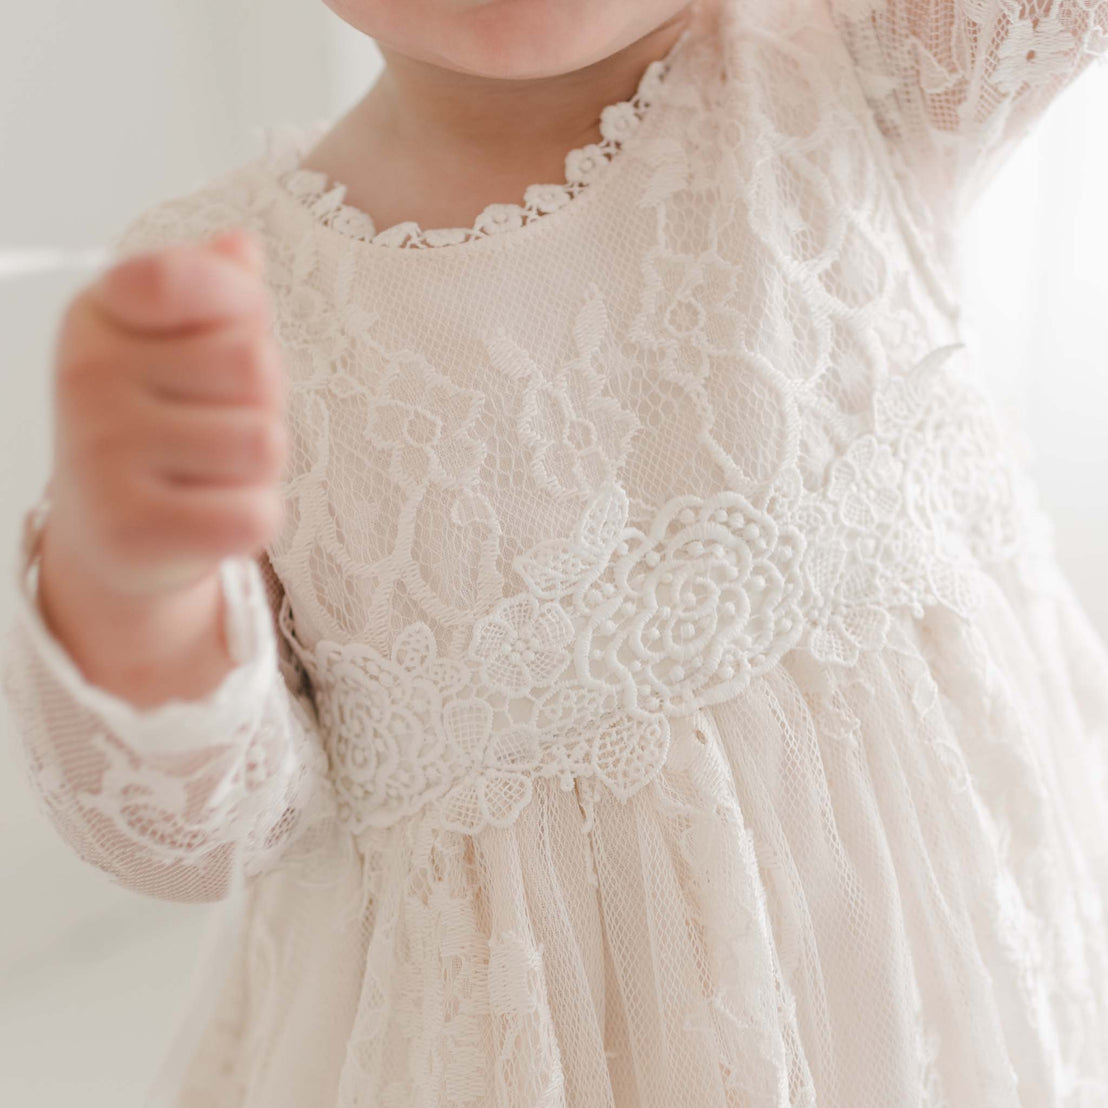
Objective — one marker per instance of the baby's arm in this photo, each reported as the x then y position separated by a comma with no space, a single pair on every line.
167,732
157,798
954,84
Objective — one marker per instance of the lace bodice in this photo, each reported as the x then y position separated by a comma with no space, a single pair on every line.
698,442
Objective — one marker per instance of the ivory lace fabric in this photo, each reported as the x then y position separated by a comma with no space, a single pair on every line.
662,692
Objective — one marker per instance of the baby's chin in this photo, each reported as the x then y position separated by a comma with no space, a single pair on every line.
521,39
508,39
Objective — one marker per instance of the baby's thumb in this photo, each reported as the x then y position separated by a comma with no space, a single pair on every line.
241,247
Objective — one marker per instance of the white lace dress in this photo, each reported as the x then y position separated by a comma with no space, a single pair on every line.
662,692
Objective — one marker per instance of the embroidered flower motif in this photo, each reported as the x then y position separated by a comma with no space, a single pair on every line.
497,218
155,812
1032,51
577,433
522,644
652,81
793,211
837,720
570,708
447,236
356,224
865,484
297,323
546,198
845,622
359,710
584,166
708,597
689,303
398,235
558,568
515,976
961,508
627,751
425,424
497,786
618,122
898,404
379,719
520,1009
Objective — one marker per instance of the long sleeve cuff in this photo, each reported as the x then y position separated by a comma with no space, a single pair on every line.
163,798
176,725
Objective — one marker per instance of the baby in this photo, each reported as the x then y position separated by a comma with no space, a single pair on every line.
536,550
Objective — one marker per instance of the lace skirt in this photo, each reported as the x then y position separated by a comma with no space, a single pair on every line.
853,887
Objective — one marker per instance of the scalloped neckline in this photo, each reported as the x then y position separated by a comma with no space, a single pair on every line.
325,198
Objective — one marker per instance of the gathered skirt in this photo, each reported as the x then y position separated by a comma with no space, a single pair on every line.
867,886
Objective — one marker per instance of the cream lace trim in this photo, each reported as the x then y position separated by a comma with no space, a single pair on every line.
286,146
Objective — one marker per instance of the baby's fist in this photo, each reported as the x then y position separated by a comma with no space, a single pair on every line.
169,417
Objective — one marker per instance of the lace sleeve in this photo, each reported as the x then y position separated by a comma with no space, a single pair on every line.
954,84
159,798
183,800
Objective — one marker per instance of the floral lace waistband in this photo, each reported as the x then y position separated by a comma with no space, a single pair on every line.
620,629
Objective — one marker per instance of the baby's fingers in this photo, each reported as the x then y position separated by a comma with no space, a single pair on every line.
191,444
178,289
232,365
182,525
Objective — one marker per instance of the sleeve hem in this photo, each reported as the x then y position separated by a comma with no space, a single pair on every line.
177,724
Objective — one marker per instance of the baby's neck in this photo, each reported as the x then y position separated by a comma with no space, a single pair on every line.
436,146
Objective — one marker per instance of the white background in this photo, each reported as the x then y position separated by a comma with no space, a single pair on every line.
107,108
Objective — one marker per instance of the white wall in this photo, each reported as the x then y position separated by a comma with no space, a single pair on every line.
108,107
1036,252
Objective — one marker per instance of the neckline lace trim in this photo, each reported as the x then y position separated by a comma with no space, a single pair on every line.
287,145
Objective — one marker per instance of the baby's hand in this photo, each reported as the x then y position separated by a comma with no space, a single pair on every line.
169,420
